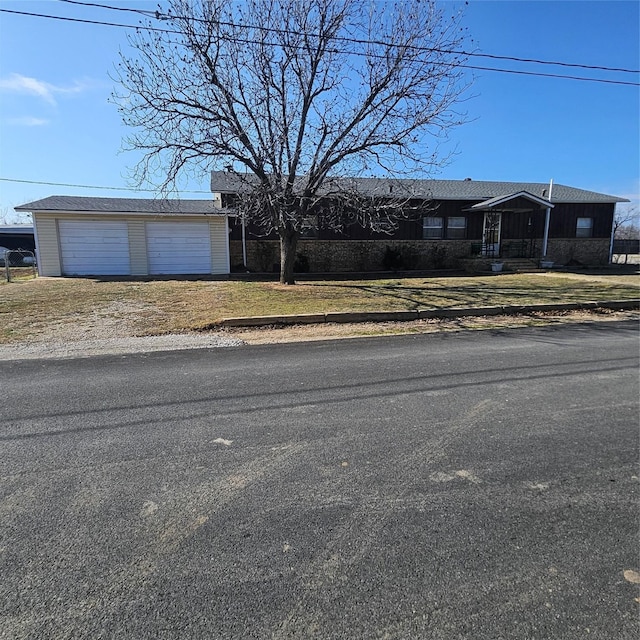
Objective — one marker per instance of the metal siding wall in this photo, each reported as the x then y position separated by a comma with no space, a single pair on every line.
46,233
219,245
138,248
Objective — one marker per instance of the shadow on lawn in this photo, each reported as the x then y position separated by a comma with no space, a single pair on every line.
476,295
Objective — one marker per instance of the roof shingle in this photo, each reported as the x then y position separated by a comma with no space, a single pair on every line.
76,204
228,182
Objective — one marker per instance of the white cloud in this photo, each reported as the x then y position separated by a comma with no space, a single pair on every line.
28,121
17,83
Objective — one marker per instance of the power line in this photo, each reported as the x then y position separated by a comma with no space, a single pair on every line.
243,41
143,12
91,186
551,75
164,16
85,21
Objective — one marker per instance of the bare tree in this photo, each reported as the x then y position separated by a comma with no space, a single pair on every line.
626,224
291,94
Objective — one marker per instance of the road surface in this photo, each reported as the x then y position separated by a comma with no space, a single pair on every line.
473,485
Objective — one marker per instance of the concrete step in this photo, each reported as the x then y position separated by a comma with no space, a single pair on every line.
521,265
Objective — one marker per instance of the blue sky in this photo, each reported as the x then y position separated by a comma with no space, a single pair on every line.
56,124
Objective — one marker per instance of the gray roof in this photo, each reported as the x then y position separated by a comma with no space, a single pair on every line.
473,190
76,204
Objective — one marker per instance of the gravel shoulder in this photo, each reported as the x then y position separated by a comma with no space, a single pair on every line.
104,334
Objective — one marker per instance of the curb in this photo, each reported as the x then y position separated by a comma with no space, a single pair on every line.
422,314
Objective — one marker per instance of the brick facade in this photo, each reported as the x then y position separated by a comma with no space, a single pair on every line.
584,251
343,256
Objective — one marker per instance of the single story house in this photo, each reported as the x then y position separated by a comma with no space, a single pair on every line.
455,223
79,236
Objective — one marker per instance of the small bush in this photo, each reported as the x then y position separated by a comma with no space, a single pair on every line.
392,259
301,265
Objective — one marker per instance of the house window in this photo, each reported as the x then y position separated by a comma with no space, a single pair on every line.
456,228
309,227
584,228
432,228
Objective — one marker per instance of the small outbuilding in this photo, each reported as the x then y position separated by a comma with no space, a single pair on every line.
86,236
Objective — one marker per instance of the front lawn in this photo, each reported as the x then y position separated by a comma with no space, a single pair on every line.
31,307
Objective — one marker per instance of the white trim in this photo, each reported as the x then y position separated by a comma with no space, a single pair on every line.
155,214
494,202
496,250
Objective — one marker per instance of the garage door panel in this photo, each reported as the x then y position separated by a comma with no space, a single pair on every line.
178,247
94,247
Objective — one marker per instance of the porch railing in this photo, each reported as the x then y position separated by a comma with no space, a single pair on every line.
507,249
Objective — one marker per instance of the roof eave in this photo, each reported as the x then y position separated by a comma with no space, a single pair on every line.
493,203
94,212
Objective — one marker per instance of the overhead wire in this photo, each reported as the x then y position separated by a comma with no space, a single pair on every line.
159,16
92,186
246,41
166,16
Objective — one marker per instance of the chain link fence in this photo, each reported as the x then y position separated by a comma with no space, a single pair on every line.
626,251
18,264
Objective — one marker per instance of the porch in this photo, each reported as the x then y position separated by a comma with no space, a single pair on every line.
526,248
513,227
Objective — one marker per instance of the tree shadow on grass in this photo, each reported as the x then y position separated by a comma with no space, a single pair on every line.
440,296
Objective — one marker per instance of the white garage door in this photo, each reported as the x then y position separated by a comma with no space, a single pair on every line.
178,247
94,248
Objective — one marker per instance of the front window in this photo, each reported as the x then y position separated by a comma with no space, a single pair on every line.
456,228
309,227
432,228
584,228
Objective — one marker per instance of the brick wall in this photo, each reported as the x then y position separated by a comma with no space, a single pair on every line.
585,251
327,256
356,255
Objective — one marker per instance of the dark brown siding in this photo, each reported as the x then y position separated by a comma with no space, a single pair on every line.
522,225
515,225
564,219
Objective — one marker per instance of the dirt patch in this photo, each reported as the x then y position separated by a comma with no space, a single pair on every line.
114,320
105,332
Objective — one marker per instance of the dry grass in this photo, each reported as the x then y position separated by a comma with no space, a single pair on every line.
33,308
303,333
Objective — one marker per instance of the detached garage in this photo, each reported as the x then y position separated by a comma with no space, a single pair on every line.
80,236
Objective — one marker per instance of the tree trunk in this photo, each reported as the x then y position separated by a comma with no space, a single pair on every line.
288,246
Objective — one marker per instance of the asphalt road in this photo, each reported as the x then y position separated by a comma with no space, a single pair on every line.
472,485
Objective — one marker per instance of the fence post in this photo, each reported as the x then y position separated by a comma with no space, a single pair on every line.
18,258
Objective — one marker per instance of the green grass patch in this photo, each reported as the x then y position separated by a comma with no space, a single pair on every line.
32,307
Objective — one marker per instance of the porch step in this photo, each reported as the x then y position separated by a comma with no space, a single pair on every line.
521,265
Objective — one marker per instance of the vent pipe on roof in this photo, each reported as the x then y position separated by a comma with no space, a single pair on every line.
547,217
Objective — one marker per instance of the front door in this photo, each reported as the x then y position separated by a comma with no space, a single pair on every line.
491,233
